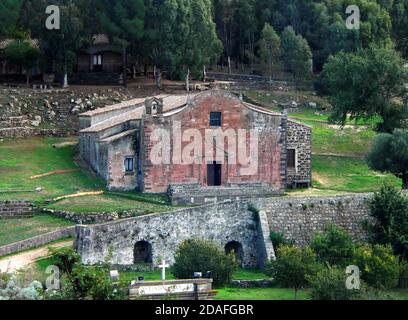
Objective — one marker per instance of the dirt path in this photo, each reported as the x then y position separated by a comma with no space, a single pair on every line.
24,259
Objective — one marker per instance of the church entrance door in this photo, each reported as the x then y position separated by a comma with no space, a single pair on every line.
214,174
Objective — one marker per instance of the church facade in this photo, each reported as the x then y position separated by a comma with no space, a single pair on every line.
197,148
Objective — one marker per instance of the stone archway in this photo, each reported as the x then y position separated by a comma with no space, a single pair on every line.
236,248
142,253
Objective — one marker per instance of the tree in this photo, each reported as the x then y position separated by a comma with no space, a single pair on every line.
292,266
365,84
379,267
269,47
334,246
22,52
296,53
389,208
123,21
9,13
389,154
203,256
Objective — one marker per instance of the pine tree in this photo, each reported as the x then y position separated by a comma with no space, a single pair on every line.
269,47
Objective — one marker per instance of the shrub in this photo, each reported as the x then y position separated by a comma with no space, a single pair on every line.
292,266
334,246
389,208
330,284
65,259
12,291
87,282
202,256
81,282
378,266
278,239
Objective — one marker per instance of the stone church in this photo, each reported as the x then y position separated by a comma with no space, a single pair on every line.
197,148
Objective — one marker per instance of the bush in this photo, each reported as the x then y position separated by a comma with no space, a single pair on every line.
65,259
292,266
330,284
278,239
202,256
389,208
334,246
81,282
12,291
90,283
378,266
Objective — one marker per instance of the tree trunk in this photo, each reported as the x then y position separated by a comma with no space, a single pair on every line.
229,65
188,80
158,79
124,66
28,80
145,70
296,292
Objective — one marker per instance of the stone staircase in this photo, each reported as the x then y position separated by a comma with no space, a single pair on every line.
62,114
16,210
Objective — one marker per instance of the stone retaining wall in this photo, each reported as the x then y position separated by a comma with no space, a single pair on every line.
16,209
23,132
221,223
37,241
90,218
300,218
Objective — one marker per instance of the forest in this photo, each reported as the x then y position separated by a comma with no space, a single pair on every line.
183,36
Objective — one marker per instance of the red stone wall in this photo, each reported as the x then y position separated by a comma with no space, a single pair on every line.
235,116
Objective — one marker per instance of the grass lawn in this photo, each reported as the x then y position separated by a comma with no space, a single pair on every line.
108,203
22,158
15,230
260,294
347,174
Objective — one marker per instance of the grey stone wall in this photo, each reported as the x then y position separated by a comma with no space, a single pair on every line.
299,137
16,209
37,241
300,218
221,223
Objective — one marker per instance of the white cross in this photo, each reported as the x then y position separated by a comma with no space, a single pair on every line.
163,267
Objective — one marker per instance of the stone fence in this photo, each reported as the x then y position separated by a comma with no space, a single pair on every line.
16,209
37,241
24,132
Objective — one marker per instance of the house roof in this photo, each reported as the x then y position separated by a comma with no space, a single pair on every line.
172,104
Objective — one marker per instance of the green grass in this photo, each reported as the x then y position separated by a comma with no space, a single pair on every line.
347,174
108,203
15,230
260,294
22,158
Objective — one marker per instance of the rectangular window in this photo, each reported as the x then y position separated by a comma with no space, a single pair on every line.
129,165
291,158
97,60
215,119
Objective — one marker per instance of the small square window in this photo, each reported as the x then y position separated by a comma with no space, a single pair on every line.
291,158
215,119
129,164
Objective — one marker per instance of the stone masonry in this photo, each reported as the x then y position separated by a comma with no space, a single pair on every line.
248,222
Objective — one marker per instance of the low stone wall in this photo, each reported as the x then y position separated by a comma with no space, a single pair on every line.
23,132
300,218
16,209
262,283
91,218
37,241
